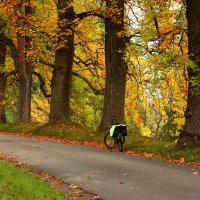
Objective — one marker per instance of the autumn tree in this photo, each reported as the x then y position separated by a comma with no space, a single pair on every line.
20,16
156,57
190,135
60,84
60,33
68,23
26,67
114,98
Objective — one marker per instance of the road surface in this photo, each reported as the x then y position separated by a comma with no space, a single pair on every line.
111,175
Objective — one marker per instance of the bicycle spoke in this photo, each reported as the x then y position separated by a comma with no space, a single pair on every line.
109,141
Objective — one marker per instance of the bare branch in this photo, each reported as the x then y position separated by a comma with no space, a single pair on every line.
42,84
13,49
95,91
95,13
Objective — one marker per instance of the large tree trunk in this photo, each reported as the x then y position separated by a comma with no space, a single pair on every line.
25,83
190,135
2,82
25,72
114,98
61,78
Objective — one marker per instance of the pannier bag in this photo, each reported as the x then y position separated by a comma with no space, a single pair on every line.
115,129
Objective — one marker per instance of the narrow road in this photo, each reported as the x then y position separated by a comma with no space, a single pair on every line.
111,175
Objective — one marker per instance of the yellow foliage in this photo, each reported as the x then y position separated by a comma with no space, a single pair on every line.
145,131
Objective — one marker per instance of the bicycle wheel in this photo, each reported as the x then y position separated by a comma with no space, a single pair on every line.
120,139
109,141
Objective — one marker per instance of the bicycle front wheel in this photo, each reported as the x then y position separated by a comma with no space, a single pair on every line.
109,141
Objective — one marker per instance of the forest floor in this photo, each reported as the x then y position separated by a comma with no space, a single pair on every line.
135,143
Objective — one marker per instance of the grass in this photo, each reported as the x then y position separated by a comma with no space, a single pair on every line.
187,154
135,142
69,130
139,143
16,184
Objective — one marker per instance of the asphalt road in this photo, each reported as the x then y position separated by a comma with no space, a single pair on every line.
111,175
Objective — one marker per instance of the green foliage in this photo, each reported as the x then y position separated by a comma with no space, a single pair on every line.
11,116
169,129
189,154
10,102
86,107
140,143
134,128
16,184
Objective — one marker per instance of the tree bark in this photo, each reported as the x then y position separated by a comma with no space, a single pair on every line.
2,82
25,71
116,69
190,135
25,83
61,78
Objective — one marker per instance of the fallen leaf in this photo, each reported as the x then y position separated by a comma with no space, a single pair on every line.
42,161
18,164
59,183
72,186
182,160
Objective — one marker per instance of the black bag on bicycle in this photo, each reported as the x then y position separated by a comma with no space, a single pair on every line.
116,129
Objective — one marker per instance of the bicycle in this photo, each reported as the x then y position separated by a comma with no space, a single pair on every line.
116,137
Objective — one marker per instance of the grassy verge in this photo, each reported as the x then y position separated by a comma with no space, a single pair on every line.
17,184
161,148
134,142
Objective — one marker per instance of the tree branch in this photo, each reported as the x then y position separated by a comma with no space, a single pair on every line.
42,84
46,63
14,72
95,91
95,13
13,49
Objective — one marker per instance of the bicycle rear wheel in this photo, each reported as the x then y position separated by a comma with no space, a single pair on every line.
109,141
120,141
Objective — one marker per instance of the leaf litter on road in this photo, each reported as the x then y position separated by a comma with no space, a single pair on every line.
181,161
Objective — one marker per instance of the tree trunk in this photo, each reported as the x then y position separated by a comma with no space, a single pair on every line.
114,98
61,78
25,83
25,73
190,135
2,82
